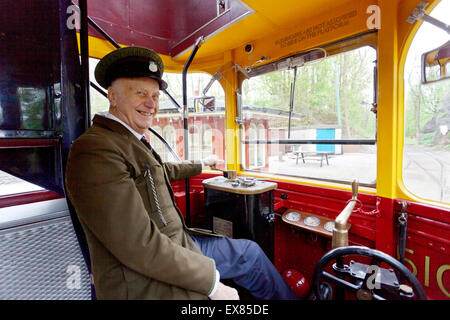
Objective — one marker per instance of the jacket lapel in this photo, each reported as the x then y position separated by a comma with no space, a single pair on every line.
111,125
119,128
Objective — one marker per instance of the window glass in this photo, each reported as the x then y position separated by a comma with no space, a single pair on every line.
156,143
207,141
12,185
206,125
426,153
99,102
330,100
194,142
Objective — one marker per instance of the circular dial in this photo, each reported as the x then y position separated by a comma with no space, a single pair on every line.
329,226
293,216
312,221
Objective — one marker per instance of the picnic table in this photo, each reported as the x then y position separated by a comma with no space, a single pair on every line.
312,155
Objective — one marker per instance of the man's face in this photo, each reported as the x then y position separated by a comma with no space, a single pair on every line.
135,101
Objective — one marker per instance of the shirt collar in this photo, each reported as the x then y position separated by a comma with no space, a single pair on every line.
108,115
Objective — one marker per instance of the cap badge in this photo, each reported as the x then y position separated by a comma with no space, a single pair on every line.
152,67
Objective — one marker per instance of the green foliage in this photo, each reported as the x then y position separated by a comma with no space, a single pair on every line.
270,90
335,92
425,106
32,102
427,139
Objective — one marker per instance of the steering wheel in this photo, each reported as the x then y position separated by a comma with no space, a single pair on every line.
367,282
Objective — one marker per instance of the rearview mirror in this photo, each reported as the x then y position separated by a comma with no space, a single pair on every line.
204,104
436,64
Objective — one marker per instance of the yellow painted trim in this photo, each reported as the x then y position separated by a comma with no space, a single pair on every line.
229,83
387,97
302,181
401,191
293,39
310,182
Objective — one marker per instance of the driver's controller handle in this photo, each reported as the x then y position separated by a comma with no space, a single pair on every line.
340,230
355,186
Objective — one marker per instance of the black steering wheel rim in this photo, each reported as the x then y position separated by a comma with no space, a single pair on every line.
341,252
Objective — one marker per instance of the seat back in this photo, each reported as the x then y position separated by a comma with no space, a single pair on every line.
40,258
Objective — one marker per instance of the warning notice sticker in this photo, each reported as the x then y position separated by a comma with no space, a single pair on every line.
223,227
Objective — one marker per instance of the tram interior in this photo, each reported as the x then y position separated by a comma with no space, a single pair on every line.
323,237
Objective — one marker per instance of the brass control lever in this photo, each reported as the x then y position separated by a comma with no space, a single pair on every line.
340,230
229,174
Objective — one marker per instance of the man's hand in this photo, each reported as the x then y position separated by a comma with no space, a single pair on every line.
212,161
224,292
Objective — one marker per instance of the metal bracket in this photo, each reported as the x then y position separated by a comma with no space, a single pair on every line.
216,76
419,14
238,68
239,112
403,224
403,218
374,108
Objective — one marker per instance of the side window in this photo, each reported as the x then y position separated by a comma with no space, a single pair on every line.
313,120
205,125
261,154
426,153
99,102
207,142
251,154
169,135
31,107
157,143
24,108
10,185
194,142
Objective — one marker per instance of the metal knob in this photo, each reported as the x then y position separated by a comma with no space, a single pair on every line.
340,230
355,186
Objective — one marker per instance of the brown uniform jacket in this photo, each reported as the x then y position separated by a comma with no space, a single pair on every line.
135,253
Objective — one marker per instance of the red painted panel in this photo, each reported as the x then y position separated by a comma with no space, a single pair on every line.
311,199
157,15
428,233
116,11
426,211
235,12
196,197
320,201
385,227
28,143
127,36
160,24
170,19
18,199
299,249
428,246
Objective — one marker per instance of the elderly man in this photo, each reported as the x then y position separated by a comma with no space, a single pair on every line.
139,244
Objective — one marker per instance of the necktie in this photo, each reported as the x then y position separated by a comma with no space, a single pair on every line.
153,152
144,141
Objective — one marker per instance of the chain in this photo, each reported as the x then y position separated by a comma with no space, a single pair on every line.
358,208
155,196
